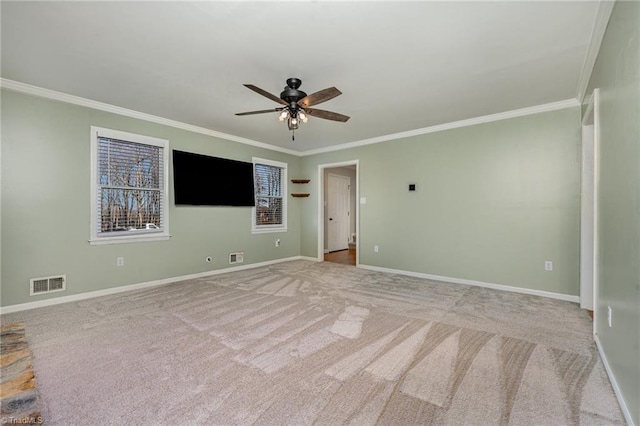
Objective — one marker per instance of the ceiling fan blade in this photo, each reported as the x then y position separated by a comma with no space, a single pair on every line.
263,111
327,115
319,97
265,94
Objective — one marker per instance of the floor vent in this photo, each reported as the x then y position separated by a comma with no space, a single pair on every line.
236,257
47,284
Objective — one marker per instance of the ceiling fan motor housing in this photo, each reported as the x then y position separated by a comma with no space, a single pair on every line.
291,94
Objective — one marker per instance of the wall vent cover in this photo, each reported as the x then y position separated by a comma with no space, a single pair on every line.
47,284
236,257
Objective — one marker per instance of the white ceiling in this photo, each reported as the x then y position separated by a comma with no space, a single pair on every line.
400,66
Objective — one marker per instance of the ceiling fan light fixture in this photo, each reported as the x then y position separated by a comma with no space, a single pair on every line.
283,115
303,116
293,123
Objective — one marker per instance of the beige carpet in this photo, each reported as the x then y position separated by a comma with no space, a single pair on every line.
318,343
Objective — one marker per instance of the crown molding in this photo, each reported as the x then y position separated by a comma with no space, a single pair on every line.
17,86
76,100
553,106
605,8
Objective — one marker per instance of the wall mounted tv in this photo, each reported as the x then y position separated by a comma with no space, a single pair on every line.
200,180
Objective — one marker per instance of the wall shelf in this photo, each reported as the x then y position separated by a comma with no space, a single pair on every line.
300,194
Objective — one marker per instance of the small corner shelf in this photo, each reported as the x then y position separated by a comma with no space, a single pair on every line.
298,194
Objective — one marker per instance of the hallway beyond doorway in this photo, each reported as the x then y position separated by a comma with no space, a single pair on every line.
347,257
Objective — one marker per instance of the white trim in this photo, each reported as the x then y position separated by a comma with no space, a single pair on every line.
614,383
76,100
569,103
267,230
542,293
605,8
589,212
596,205
263,229
587,207
103,241
311,259
321,168
120,238
98,293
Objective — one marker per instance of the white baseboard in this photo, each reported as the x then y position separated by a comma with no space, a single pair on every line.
108,291
312,259
549,294
614,382
91,294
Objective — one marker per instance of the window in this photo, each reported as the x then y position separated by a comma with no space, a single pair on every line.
270,212
129,181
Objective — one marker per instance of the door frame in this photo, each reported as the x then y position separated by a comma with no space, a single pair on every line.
328,231
589,258
321,202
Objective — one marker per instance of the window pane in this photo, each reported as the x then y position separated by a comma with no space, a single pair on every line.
268,211
124,209
268,180
128,164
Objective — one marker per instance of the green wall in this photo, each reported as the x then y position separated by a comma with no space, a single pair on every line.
617,75
494,201
46,206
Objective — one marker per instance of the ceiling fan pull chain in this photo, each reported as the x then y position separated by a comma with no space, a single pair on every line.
293,135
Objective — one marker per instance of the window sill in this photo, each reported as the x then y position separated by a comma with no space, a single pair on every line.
267,230
124,240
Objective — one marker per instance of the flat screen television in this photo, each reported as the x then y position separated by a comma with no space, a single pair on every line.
201,180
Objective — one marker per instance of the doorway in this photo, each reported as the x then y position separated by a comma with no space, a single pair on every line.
338,213
338,226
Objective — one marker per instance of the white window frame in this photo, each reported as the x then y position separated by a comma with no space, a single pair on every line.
260,229
95,239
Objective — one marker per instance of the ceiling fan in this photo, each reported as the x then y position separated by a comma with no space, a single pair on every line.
297,104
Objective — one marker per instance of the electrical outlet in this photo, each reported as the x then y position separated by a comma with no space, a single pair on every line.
120,261
548,265
610,316
376,249
278,242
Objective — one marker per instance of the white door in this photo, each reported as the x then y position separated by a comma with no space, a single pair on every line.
338,188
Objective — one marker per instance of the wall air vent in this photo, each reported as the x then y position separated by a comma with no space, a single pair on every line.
236,257
47,285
